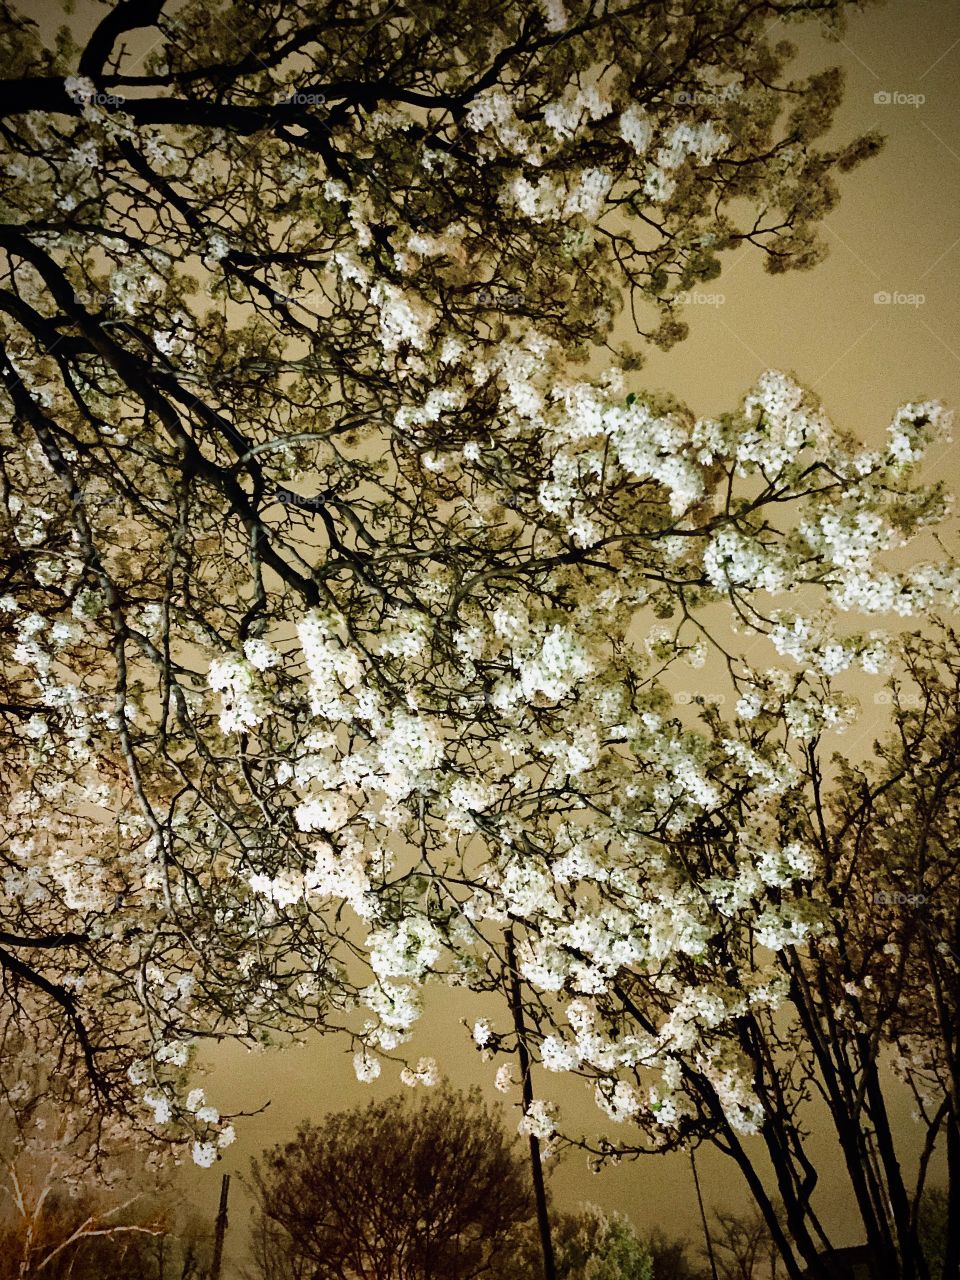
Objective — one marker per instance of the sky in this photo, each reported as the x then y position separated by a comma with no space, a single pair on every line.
875,324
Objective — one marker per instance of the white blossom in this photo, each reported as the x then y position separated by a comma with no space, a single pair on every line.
426,1073
204,1154
538,1120
366,1066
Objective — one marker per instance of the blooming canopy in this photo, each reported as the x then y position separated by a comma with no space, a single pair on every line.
347,565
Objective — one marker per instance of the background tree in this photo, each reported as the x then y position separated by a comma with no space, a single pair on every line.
593,1245
65,1232
589,1244
671,1258
744,1249
395,1192
75,1202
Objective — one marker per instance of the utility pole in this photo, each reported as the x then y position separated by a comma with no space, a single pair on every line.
221,1229
536,1164
703,1216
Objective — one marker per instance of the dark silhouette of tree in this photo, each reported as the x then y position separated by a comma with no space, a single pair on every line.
391,1191
744,1248
671,1257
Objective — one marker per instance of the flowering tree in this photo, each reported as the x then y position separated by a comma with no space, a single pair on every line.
334,526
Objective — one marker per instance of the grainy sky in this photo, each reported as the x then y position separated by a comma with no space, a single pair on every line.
896,232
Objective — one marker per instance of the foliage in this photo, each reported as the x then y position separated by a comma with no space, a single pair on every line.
593,1245
588,1244
935,1229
